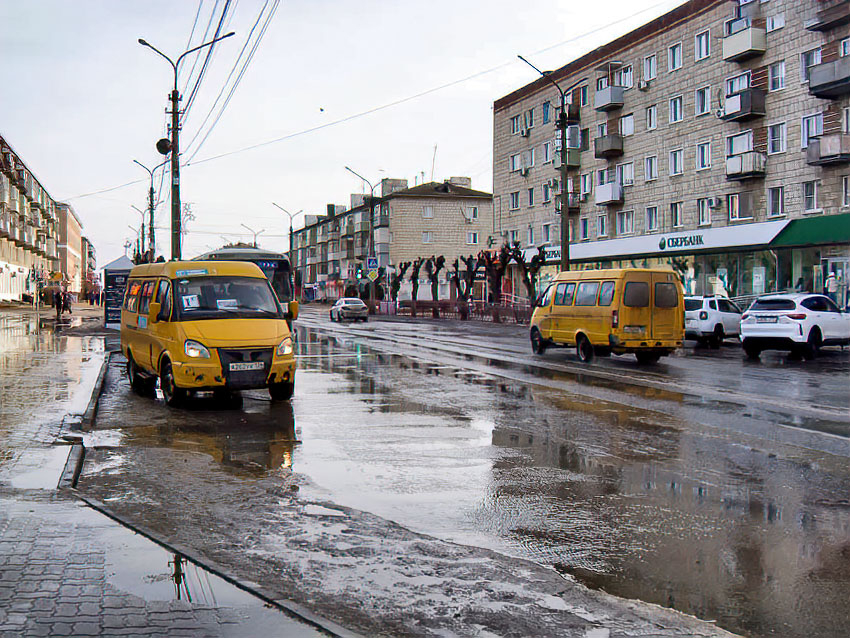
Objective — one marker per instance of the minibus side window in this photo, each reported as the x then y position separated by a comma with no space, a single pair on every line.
147,293
564,294
132,297
606,293
666,295
586,295
636,294
163,297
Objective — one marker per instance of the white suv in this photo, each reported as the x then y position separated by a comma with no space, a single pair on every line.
711,319
801,323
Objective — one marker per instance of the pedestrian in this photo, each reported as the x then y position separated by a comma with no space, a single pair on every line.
57,302
66,302
830,286
801,285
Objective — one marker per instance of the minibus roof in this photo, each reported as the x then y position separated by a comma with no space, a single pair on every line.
172,269
611,272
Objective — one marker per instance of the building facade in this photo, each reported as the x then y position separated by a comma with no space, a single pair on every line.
29,227
714,139
447,219
71,259
90,280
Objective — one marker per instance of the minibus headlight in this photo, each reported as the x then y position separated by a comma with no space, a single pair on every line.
285,347
196,350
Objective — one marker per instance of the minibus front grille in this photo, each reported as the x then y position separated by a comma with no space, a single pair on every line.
245,378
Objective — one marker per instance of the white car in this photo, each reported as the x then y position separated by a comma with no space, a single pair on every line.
800,323
711,319
349,308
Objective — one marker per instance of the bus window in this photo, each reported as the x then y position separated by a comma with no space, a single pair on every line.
666,295
586,295
636,294
564,294
606,293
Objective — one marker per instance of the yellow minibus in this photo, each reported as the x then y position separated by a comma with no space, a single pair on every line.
625,310
206,325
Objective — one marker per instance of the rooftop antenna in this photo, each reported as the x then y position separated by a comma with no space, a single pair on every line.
433,161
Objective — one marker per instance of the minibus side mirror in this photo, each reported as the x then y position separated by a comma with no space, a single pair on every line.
292,313
153,311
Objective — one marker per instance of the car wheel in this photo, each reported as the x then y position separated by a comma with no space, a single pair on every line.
332,315
752,351
538,343
813,343
584,349
173,395
365,319
282,391
717,337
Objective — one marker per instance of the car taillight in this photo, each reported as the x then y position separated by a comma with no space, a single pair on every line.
798,316
703,315
615,319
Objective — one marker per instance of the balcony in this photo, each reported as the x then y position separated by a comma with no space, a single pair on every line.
745,165
4,224
608,146
608,194
573,158
743,41
744,105
830,80
829,150
573,113
829,18
574,201
609,98
382,220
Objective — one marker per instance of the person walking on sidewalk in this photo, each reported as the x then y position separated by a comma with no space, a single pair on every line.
58,302
831,287
66,302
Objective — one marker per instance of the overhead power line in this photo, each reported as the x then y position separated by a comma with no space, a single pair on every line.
207,58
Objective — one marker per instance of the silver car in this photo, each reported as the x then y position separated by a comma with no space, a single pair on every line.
349,308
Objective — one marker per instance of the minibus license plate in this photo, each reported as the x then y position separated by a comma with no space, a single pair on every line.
765,319
240,366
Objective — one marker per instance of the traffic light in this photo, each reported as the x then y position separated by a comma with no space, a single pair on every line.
359,272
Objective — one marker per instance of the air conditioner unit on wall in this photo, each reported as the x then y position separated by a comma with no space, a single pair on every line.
643,85
715,202
525,132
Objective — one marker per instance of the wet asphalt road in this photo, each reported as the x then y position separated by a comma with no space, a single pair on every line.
705,483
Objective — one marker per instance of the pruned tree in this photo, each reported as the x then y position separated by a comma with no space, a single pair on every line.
464,282
397,278
530,270
495,267
433,266
415,267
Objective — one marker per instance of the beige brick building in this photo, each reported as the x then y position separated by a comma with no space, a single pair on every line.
447,219
72,262
715,138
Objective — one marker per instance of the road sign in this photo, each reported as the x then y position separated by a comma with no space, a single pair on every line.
372,263
373,275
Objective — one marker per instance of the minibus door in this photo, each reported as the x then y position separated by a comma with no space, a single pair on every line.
635,313
666,299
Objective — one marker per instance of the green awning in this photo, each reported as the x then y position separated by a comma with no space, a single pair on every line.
815,231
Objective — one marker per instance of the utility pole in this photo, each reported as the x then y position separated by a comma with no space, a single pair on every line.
565,197
370,252
291,248
174,145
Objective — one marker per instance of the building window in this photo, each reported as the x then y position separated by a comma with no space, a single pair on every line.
515,200
626,174
547,192
676,109
676,214
703,212
427,236
472,213
703,156
736,213
625,222
812,126
773,23
652,218
650,67
844,48
514,237
776,138
738,83
674,57
740,143
472,238
627,125
776,76
515,163
845,120
810,196
531,235
529,118
583,228
602,129
531,196
651,168
702,101
625,77
602,226
776,201
604,176
427,212
586,183
677,162
807,61
547,152
702,45
651,117
547,233
845,191
515,124
547,107
582,92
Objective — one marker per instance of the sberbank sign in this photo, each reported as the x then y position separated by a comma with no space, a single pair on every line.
686,241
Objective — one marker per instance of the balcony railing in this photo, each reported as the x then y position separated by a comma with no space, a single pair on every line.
829,18
829,150
830,80
4,224
609,98
607,194
745,165
610,145
744,105
573,158
382,220
743,41
574,201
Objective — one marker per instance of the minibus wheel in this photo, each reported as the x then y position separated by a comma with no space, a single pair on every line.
173,395
282,391
538,343
584,349
141,385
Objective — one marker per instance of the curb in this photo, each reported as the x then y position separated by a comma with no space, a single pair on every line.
73,466
294,610
91,409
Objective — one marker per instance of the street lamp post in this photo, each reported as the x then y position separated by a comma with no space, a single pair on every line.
175,142
141,229
254,232
151,235
291,250
562,128
370,252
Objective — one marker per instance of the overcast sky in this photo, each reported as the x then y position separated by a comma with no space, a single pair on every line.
81,99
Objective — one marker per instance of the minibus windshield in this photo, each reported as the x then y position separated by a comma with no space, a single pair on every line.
222,297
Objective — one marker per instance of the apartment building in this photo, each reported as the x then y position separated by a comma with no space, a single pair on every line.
91,282
71,258
406,223
28,228
715,139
